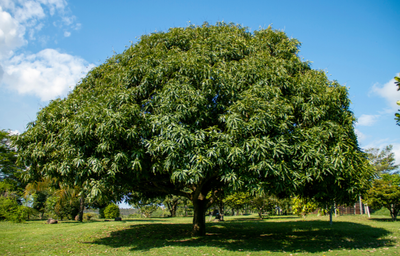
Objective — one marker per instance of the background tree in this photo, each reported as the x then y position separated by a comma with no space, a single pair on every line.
237,201
147,206
8,157
382,160
197,109
385,192
263,203
172,202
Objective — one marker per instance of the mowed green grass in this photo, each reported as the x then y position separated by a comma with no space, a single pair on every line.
242,235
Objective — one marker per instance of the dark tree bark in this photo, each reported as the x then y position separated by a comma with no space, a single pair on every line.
394,212
81,207
172,207
199,218
221,210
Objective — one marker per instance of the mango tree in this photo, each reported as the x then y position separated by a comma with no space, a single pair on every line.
197,109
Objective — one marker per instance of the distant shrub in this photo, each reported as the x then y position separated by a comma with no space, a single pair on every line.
10,210
111,211
89,215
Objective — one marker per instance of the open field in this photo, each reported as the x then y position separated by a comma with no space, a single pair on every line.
241,235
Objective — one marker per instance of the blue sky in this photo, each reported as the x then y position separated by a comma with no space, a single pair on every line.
46,46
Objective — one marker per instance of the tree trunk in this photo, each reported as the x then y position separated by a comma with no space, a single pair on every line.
369,214
199,217
330,214
393,212
81,207
221,210
173,210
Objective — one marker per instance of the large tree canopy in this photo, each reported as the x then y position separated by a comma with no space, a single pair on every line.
194,109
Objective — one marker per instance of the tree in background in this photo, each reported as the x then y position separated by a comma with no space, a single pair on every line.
385,192
199,109
11,185
237,201
147,206
8,158
54,198
263,203
382,160
172,202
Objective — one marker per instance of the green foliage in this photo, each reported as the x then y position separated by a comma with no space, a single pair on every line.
385,192
101,212
237,200
172,202
10,208
111,211
39,201
8,157
196,109
382,160
303,207
89,216
263,204
397,82
58,208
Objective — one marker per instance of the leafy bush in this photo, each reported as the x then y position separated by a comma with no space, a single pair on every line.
303,207
89,215
10,210
60,209
111,211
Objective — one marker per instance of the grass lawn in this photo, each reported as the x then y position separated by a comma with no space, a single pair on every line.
242,235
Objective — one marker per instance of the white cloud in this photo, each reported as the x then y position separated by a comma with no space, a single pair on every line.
11,34
389,92
47,74
20,16
367,120
360,136
29,11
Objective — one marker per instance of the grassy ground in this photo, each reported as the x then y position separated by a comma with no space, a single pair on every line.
286,235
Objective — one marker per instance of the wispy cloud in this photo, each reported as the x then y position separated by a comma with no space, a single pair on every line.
389,92
360,136
367,120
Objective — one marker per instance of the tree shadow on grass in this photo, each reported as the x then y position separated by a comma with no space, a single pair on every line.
388,219
109,220
298,236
